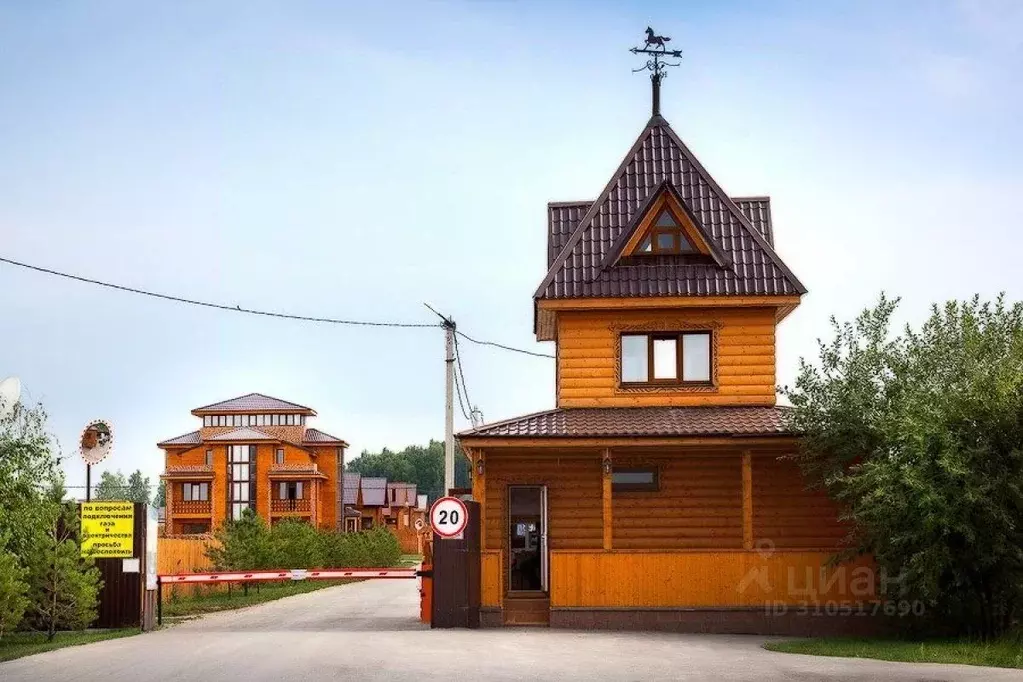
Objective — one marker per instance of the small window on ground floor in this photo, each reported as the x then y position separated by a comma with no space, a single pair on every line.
634,479
195,528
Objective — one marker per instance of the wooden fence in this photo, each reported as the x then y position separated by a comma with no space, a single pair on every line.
184,554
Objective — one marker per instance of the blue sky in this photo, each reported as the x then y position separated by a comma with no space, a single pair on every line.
349,160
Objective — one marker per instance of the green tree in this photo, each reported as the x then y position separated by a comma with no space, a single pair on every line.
28,467
423,466
920,438
242,544
160,498
63,585
13,588
139,489
114,486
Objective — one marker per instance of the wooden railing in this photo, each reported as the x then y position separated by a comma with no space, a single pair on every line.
192,507
624,578
282,506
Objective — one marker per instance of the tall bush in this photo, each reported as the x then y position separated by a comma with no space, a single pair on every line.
920,438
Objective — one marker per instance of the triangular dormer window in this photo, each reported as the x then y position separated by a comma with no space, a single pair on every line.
666,228
666,236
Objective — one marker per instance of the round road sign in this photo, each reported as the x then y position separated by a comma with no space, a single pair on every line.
448,517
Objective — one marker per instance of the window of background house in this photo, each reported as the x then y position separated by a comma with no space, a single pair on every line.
279,457
675,358
195,492
637,479
195,528
209,458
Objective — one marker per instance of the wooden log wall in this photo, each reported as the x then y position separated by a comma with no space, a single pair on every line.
587,356
704,579
786,514
699,505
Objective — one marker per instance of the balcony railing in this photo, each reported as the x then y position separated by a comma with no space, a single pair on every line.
192,507
279,506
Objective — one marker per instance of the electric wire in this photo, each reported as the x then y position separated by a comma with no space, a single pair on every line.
263,313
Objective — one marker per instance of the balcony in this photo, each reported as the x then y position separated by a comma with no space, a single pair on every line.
302,506
191,507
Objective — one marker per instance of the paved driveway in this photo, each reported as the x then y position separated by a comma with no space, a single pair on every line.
368,632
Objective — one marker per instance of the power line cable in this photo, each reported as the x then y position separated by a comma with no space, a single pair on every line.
458,392
501,345
207,304
461,376
264,313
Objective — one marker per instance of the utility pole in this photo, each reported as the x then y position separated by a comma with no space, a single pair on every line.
449,405
449,399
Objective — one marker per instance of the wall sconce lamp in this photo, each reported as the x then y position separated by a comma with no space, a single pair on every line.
479,466
607,465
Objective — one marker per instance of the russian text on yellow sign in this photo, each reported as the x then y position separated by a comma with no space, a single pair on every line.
108,529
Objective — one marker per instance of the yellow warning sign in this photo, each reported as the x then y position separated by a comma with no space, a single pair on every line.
108,530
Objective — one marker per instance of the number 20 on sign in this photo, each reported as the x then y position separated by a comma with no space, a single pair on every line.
448,517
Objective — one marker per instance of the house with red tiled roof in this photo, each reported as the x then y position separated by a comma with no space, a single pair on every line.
252,452
657,493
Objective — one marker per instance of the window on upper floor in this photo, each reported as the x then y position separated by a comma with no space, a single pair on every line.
195,492
209,458
279,456
666,358
665,236
253,420
290,490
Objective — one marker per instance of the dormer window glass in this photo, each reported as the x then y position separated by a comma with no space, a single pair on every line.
666,236
666,358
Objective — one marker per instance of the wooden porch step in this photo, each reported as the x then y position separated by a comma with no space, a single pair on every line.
534,611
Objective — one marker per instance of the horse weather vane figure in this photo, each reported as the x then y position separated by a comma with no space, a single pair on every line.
656,49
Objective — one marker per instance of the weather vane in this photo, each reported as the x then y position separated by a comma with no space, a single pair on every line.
655,46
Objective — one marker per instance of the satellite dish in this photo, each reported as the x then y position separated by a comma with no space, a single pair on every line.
97,441
10,394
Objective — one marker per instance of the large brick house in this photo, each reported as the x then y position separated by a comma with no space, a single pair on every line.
252,452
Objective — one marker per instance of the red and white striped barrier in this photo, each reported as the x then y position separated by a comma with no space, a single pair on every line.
289,574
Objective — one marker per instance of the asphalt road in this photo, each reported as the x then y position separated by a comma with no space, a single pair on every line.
369,632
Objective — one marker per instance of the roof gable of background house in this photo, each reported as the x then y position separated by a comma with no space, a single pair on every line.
254,402
659,156
374,491
350,488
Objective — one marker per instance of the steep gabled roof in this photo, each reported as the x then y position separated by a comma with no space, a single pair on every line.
374,491
658,156
350,487
253,402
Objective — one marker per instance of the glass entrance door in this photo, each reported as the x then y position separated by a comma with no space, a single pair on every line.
527,538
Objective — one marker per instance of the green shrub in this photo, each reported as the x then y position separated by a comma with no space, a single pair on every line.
249,544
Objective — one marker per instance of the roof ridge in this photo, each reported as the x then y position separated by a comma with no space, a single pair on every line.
251,395
736,212
587,218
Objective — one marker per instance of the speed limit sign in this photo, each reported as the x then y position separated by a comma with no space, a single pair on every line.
448,517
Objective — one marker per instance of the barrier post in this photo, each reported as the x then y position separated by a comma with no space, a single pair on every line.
159,601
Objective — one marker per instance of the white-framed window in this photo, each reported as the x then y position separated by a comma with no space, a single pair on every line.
666,358
279,456
290,490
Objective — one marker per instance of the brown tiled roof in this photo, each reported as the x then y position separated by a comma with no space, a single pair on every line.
607,422
758,211
563,216
350,488
191,438
374,491
253,402
657,156
317,436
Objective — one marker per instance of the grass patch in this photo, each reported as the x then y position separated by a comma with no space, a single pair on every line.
1003,653
410,559
223,600
18,644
